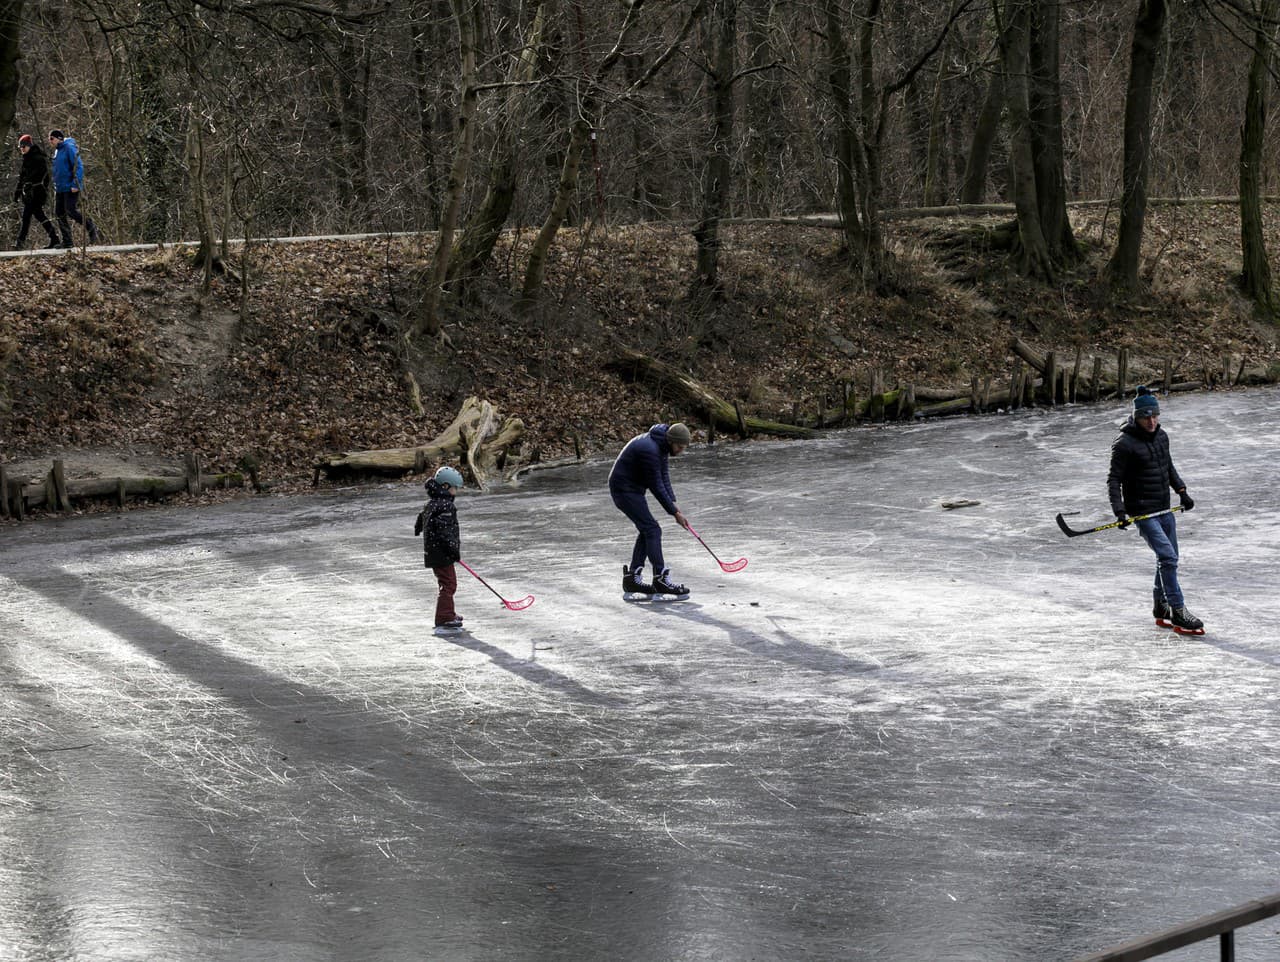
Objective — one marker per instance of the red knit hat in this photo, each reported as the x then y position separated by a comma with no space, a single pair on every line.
24,140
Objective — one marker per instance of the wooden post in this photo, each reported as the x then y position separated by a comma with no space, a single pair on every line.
822,410
1029,388
844,401
907,402
795,412
973,394
1075,377
1226,370
742,422
853,401
1244,358
18,501
875,405
1097,378
711,428
195,476
59,475
577,447
121,495
986,392
4,491
1168,374
1122,372
1015,384
1051,377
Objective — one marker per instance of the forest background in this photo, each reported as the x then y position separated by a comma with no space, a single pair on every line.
780,198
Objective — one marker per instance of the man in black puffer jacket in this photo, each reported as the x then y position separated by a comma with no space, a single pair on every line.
1138,483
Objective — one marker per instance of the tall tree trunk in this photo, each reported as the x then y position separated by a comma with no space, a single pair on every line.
585,115
1046,131
1033,251
935,168
850,170
476,245
985,131
468,14
1122,270
717,166
1255,274
766,127
10,50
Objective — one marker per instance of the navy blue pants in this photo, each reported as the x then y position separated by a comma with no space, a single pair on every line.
649,540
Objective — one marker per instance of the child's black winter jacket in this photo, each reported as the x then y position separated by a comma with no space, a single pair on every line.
441,544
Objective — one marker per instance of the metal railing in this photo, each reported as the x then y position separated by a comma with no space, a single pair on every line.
1222,924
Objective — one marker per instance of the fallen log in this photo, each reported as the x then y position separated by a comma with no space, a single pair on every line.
693,398
22,494
478,438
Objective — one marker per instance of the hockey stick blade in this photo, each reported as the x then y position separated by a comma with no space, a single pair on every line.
732,566
520,605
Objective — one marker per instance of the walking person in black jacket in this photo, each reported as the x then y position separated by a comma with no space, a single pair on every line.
33,191
442,544
1138,483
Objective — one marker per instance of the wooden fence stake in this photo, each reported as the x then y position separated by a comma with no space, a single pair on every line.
1226,370
1097,378
986,393
59,475
18,501
1168,374
1051,377
1122,372
1075,377
742,422
4,491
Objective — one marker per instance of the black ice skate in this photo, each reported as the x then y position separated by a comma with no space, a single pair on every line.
666,590
453,627
1185,623
633,589
1162,613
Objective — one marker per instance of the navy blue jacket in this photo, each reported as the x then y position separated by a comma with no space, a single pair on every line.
441,544
642,466
1142,471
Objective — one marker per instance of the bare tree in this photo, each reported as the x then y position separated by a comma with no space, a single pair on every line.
1255,273
468,14
10,34
860,133
1147,32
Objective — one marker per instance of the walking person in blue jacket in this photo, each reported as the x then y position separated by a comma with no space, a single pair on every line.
1138,483
68,178
641,468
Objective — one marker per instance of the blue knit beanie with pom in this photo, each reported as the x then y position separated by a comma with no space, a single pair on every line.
1145,403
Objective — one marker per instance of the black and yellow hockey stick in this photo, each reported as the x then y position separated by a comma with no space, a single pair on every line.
1071,533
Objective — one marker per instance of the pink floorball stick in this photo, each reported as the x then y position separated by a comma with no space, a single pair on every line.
520,605
729,566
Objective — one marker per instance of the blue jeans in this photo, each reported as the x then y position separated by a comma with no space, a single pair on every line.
649,540
1161,534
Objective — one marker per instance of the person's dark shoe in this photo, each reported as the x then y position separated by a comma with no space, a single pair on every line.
1162,613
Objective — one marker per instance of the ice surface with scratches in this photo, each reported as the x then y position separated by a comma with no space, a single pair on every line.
901,733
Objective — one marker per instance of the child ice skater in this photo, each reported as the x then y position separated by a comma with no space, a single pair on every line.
441,544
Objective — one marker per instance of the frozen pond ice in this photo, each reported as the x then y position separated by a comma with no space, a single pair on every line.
902,733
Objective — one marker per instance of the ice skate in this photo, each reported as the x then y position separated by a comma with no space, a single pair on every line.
633,589
453,627
1163,613
664,589
1185,623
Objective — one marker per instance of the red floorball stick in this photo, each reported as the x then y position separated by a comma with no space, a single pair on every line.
724,565
520,605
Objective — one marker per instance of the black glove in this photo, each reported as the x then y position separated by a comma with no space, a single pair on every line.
1187,503
1123,519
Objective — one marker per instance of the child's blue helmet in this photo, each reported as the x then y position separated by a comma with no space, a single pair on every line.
451,476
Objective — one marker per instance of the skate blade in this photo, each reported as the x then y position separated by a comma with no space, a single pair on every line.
442,630
1188,631
1164,623
636,596
668,598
